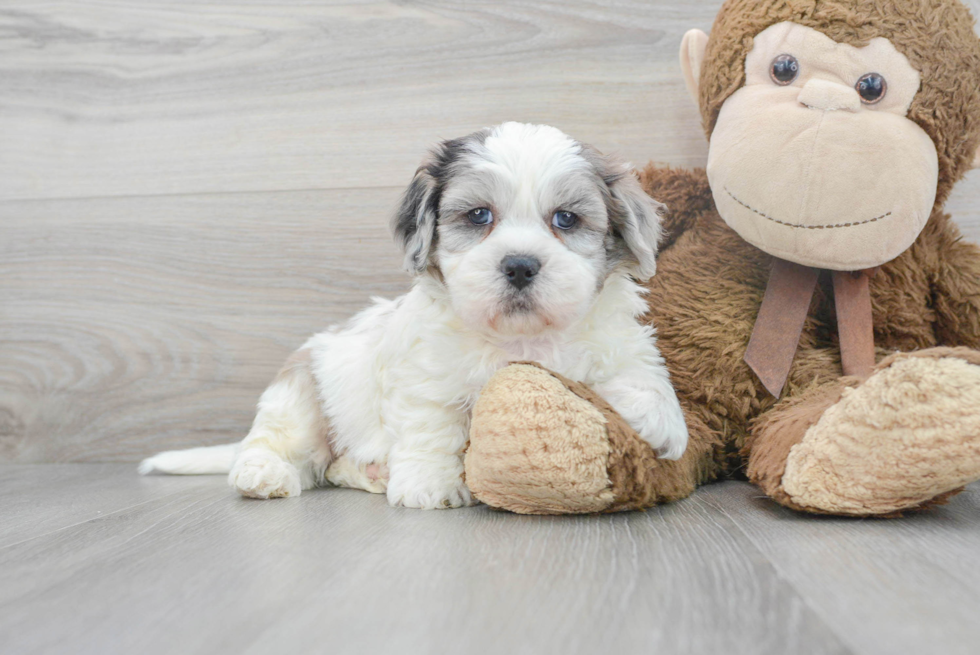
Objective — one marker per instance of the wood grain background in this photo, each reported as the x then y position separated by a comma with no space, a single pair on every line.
189,189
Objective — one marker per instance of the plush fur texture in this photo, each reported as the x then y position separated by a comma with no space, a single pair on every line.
576,453
562,467
945,107
383,403
852,184
905,438
902,438
928,296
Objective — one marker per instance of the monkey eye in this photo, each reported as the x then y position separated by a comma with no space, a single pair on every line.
564,220
784,69
480,216
872,88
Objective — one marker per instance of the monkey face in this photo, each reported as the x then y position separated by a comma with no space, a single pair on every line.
813,160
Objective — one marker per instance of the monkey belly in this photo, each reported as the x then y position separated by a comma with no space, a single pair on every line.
704,301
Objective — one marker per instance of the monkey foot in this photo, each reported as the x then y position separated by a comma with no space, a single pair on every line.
542,444
907,437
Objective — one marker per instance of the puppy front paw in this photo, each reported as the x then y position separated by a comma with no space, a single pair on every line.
260,473
651,408
424,488
665,429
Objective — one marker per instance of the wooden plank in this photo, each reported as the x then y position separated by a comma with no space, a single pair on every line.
964,206
887,587
41,499
223,251
194,97
338,570
185,97
130,325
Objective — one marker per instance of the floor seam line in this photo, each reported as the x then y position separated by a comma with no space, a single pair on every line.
852,649
89,520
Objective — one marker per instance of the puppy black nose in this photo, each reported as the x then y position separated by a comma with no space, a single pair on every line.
520,269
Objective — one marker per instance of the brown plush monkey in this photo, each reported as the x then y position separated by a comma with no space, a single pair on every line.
837,130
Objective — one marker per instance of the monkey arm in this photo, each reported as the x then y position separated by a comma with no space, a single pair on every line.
956,288
685,192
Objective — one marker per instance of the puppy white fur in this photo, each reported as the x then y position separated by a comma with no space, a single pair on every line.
524,244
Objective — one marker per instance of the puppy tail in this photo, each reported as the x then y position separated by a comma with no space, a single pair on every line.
193,461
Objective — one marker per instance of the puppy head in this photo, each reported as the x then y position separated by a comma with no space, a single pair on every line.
524,224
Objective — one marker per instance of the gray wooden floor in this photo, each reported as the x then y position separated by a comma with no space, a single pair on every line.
189,188
94,559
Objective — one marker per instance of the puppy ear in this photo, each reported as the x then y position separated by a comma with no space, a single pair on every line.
636,217
414,224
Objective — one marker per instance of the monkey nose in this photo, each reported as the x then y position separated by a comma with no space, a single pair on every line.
829,96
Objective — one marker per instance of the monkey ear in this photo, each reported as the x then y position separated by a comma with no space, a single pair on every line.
414,224
693,46
636,217
976,159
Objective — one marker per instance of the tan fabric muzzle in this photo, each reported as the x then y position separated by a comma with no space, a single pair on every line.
808,172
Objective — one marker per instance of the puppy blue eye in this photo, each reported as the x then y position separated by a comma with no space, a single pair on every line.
564,220
480,216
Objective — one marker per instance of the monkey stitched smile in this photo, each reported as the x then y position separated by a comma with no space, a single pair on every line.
808,227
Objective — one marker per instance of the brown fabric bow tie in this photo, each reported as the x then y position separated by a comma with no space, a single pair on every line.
777,330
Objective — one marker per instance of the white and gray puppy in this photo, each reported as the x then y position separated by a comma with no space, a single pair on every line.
524,244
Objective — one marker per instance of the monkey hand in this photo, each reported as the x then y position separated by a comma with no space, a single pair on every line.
542,444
